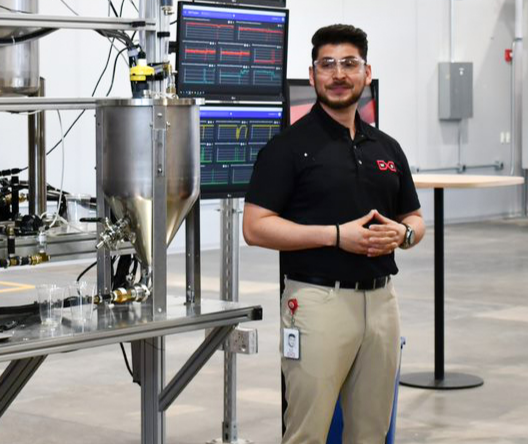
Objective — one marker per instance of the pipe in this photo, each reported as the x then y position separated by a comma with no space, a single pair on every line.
517,99
37,158
19,261
452,31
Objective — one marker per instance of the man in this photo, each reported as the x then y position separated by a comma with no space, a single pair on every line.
336,197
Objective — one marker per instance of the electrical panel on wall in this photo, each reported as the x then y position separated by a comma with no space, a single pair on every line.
455,90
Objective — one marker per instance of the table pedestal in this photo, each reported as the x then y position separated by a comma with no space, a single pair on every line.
439,380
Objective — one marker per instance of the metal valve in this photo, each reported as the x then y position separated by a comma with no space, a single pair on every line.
114,234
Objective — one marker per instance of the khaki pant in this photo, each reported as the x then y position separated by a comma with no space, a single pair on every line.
350,345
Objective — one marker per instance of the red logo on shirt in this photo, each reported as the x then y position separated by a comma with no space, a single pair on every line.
384,166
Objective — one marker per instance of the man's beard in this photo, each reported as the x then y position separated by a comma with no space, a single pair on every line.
340,103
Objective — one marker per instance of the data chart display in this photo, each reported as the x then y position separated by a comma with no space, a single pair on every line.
230,140
231,52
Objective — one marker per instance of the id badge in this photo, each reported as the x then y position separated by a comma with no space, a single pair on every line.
291,346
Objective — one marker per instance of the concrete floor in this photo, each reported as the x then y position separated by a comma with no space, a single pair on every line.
88,397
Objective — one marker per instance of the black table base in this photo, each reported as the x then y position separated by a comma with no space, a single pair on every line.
451,381
439,379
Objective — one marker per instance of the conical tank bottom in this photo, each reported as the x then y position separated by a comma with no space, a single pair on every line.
138,211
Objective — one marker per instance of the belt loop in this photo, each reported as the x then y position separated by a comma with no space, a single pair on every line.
337,285
357,286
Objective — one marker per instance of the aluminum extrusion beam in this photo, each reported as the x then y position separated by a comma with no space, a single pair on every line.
193,365
192,256
14,379
18,104
152,382
68,22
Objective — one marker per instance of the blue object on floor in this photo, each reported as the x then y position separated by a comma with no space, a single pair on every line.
336,428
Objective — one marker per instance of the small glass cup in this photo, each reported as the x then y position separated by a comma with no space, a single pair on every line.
81,300
51,302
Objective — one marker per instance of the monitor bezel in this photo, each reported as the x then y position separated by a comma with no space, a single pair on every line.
267,3
232,191
374,88
236,96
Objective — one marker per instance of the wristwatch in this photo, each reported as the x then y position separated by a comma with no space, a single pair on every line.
409,238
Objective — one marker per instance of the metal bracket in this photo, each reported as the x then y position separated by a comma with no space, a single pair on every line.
242,341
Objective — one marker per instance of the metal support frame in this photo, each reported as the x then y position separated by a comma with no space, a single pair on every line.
37,159
193,365
69,22
14,379
104,261
229,246
159,212
18,104
193,285
152,382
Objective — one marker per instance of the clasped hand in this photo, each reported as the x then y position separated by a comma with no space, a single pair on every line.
382,237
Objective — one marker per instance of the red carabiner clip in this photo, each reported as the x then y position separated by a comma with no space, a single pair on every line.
293,305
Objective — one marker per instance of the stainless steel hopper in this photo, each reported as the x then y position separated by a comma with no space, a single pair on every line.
19,63
131,140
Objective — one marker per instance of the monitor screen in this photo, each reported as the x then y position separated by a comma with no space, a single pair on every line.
230,138
231,52
301,98
275,3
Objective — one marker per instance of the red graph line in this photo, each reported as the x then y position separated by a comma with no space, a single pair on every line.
269,31
200,51
272,61
211,25
235,53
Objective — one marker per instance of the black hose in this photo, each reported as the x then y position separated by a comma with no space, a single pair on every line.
86,271
34,35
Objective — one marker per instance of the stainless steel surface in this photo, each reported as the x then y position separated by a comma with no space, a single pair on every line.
38,192
19,64
193,284
123,323
128,129
70,22
18,104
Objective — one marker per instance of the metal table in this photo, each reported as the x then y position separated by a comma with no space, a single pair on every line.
440,380
31,343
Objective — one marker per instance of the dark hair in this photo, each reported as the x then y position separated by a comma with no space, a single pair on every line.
337,34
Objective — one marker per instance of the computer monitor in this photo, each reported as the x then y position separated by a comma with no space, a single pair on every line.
301,98
275,3
231,52
230,138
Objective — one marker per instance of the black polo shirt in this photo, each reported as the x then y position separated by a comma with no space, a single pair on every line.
313,173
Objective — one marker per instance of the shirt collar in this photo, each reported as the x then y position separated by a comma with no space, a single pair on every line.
336,130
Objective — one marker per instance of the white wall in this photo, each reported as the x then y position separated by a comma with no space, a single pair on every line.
407,40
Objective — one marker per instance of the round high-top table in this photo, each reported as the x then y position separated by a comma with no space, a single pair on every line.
440,380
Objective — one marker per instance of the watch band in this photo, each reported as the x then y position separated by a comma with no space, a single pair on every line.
408,239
